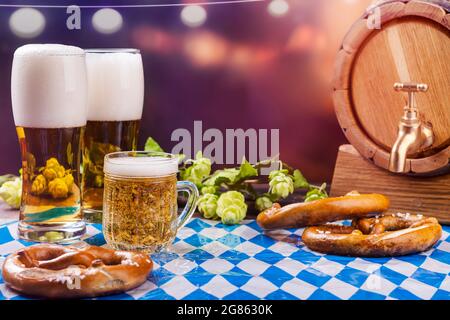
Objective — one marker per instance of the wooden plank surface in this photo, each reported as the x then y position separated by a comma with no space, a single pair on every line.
424,195
411,50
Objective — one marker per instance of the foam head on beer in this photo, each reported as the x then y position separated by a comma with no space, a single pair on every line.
49,87
116,84
144,167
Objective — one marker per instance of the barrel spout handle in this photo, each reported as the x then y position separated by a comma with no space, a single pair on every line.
413,134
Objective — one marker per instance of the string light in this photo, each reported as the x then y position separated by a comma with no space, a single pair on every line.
107,21
278,8
27,23
193,16
150,5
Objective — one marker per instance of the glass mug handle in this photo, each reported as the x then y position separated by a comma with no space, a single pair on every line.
191,205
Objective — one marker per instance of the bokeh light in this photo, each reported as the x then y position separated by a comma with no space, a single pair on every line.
193,16
107,21
278,8
306,38
27,23
156,40
205,49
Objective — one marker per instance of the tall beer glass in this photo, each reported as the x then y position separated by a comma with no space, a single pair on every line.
49,93
115,101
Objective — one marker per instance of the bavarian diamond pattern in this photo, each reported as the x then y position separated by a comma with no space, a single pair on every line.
209,260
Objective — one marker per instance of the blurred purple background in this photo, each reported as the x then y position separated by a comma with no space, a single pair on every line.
245,67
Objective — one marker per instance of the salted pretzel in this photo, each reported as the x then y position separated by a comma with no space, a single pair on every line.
54,271
387,235
298,215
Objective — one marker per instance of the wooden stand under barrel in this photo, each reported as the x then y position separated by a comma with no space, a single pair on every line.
424,195
410,45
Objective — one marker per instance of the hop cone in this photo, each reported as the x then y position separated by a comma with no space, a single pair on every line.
199,170
281,184
263,203
208,189
207,205
231,207
11,192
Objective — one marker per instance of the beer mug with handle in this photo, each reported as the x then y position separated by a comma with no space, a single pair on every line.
140,201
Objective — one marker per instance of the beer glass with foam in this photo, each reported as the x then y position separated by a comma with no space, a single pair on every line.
49,94
115,101
140,204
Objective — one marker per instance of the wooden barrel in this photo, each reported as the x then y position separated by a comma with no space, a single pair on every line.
395,41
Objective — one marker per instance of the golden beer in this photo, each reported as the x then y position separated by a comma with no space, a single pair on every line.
51,180
140,211
101,138
115,100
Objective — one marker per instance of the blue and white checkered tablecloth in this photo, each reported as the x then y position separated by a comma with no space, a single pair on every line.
209,260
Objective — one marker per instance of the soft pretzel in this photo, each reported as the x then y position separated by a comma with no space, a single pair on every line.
298,215
388,235
53,271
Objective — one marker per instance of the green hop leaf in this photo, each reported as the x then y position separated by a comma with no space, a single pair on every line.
11,192
231,207
281,184
7,177
152,145
247,170
207,206
316,193
263,203
228,176
232,176
300,181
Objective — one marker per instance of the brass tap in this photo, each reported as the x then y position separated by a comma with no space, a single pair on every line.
413,134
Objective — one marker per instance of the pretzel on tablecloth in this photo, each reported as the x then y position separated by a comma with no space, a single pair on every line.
54,271
387,235
299,215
